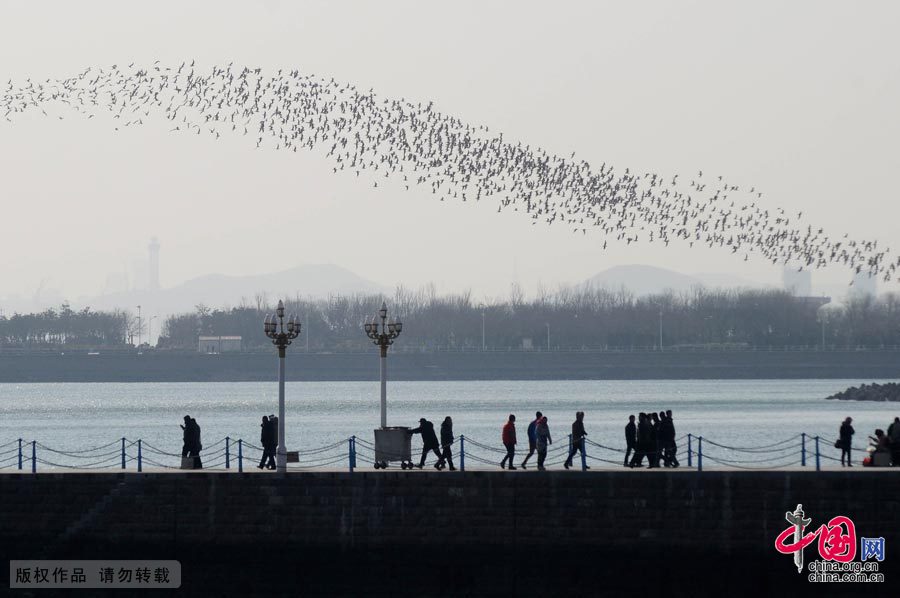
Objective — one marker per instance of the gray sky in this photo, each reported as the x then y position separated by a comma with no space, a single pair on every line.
798,99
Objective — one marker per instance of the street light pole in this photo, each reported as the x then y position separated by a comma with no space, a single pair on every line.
660,330
384,339
281,336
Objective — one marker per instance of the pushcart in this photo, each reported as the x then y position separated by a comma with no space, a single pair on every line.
393,444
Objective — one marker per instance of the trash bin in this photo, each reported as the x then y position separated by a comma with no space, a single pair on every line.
393,444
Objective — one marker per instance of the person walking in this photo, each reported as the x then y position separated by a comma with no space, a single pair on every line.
195,445
846,440
671,447
446,443
429,441
643,441
630,438
542,430
532,438
186,436
578,439
509,441
653,441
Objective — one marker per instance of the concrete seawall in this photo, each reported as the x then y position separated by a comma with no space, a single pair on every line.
477,533
639,365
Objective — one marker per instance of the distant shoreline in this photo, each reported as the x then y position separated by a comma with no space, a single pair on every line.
639,365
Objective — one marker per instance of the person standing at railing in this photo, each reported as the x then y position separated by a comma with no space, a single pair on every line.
532,438
429,441
578,435
846,441
509,441
543,439
446,444
187,436
630,438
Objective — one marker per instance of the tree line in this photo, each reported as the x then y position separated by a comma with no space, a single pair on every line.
569,318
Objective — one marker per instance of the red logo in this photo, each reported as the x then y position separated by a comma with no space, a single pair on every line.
837,538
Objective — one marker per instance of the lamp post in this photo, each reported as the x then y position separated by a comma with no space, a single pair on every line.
384,339
281,336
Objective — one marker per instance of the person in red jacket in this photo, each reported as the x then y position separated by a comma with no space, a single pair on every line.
509,441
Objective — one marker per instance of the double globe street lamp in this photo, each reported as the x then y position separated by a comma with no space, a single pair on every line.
389,331
281,334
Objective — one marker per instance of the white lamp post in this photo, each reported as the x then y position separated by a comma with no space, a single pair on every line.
281,336
384,339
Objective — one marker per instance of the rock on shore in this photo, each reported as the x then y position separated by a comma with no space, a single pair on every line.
870,392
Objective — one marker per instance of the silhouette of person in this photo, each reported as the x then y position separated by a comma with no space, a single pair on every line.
267,437
186,436
196,445
893,434
671,449
578,439
642,448
846,440
532,438
653,441
630,438
509,441
429,441
446,443
543,439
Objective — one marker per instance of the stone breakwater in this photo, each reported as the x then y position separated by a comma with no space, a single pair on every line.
869,392
474,533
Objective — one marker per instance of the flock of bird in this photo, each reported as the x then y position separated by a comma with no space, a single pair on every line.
415,145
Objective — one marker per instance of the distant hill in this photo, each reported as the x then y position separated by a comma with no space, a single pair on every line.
648,280
217,290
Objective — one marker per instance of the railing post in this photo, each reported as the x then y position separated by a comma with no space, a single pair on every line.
123,452
240,455
20,453
354,450
228,452
690,452
140,457
462,453
33,457
818,466
350,453
700,453
803,449
583,453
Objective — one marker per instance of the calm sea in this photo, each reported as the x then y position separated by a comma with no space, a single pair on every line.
751,413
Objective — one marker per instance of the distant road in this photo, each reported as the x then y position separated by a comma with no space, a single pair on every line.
645,365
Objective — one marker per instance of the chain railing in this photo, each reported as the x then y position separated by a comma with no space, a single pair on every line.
227,454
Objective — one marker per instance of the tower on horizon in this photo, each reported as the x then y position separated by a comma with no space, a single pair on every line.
154,264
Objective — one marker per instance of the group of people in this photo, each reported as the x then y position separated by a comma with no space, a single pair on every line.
886,444
268,438
653,437
191,436
538,440
430,443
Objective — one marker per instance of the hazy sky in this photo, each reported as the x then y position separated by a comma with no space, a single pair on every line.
799,99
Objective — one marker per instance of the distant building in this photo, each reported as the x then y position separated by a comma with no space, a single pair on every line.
797,282
863,284
220,344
